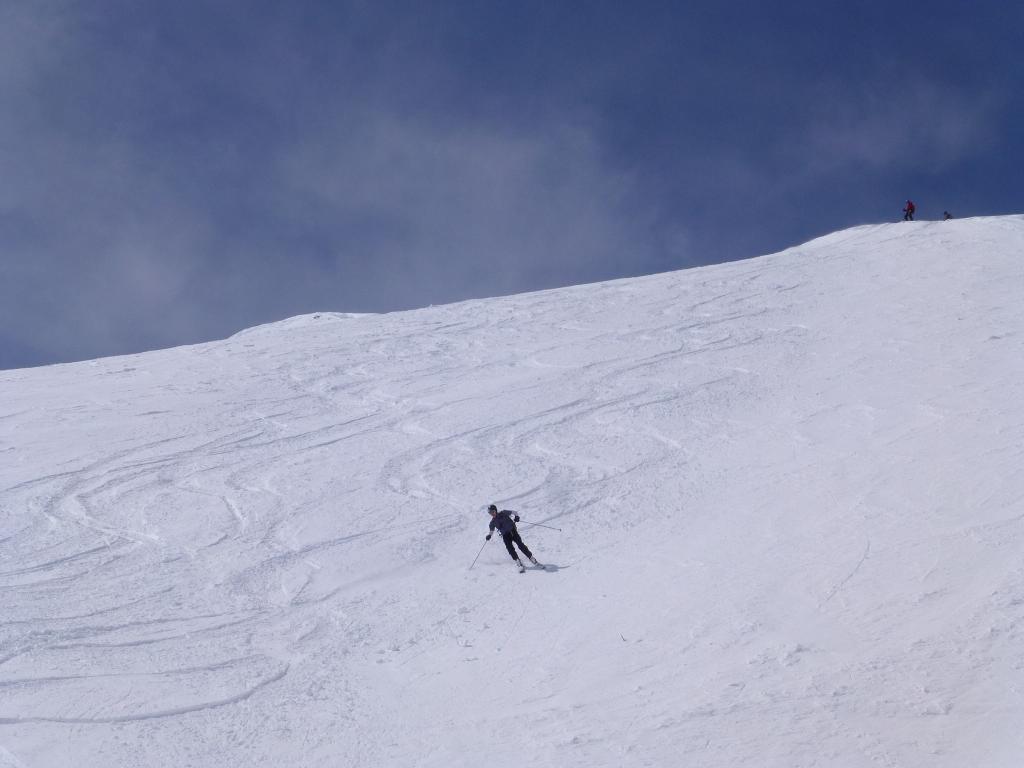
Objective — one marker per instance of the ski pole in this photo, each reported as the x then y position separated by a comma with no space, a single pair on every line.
544,526
478,554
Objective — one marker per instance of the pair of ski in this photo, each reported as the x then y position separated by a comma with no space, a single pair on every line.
522,568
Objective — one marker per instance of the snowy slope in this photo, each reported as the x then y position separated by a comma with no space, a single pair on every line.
789,495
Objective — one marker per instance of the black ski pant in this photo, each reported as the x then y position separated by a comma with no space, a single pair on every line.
508,538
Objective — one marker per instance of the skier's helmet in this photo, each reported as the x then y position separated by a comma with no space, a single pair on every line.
492,509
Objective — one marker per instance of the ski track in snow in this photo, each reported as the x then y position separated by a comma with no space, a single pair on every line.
791,524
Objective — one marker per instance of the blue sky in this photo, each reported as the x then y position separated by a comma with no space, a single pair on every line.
174,172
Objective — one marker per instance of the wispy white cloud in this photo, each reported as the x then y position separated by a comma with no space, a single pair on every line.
916,124
453,204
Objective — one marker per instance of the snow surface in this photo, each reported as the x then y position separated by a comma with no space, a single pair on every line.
789,492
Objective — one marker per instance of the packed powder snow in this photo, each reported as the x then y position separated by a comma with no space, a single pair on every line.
788,492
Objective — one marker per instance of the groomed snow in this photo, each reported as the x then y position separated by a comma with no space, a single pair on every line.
789,492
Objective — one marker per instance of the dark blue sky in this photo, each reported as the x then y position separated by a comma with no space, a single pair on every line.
174,172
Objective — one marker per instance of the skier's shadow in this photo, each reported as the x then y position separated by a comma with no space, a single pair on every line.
550,567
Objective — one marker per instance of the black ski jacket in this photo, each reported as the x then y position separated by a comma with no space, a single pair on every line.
504,522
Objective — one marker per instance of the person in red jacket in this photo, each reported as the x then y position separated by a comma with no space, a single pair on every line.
908,211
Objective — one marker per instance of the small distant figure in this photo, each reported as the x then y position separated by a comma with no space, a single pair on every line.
505,521
946,215
908,211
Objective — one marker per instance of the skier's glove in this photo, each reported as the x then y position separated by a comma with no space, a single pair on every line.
488,537
516,518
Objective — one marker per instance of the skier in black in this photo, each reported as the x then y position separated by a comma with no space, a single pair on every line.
946,215
505,521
